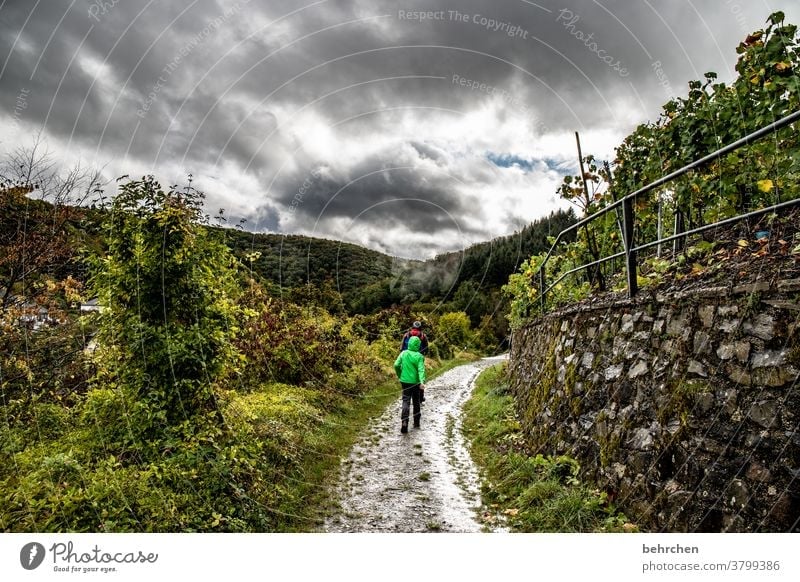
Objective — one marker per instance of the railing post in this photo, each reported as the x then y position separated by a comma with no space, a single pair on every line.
541,286
630,255
679,228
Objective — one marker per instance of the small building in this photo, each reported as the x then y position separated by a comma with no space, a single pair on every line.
91,305
36,316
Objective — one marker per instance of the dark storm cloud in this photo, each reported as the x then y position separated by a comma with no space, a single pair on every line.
128,48
387,189
256,94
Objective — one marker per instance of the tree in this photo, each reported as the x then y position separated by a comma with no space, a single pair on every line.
34,237
166,284
452,331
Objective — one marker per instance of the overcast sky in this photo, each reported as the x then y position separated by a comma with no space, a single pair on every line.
357,120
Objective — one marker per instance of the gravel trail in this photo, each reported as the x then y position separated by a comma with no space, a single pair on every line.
423,481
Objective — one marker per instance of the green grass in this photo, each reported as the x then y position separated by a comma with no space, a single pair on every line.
531,493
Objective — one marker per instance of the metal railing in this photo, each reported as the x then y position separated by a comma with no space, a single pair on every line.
628,215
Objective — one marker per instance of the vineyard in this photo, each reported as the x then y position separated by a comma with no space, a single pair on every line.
758,175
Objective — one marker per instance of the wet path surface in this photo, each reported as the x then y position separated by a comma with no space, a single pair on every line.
423,481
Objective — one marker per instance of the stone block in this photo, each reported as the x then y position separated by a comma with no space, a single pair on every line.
706,314
711,446
620,346
673,426
641,440
738,375
623,392
738,494
783,304
632,353
750,288
775,377
702,343
677,324
639,369
586,421
769,359
697,369
730,325
742,349
640,462
789,285
762,326
613,372
726,351
764,413
728,399
627,323
704,401
759,473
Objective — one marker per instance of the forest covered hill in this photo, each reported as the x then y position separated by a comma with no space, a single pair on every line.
368,280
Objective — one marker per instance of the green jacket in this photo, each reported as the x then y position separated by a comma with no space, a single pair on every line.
410,364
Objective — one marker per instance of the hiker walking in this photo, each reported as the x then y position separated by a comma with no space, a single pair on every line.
416,331
410,369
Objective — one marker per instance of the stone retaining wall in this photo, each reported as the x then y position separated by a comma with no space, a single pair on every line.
684,408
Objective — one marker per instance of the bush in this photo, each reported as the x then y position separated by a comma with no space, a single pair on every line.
452,333
166,284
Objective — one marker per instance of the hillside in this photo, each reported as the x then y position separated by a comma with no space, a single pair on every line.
294,260
290,261
345,277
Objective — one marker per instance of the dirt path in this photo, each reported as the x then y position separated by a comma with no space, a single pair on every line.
421,481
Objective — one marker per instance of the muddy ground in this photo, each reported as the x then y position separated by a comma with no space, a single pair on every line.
423,481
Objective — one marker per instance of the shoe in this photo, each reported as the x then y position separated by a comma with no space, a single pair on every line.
404,427
416,424
422,397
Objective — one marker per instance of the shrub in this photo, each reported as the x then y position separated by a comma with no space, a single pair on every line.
166,284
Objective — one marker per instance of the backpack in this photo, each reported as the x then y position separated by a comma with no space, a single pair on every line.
413,332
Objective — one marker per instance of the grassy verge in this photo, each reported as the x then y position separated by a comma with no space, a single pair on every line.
308,492
529,493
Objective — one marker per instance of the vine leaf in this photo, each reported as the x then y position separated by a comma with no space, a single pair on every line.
765,185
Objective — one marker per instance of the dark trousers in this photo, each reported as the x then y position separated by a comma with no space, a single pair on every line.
411,393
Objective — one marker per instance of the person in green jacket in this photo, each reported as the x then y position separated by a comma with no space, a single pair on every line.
410,369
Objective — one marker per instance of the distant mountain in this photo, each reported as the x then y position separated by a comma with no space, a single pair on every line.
369,280
292,260
490,263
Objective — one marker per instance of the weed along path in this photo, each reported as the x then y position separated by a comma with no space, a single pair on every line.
423,481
